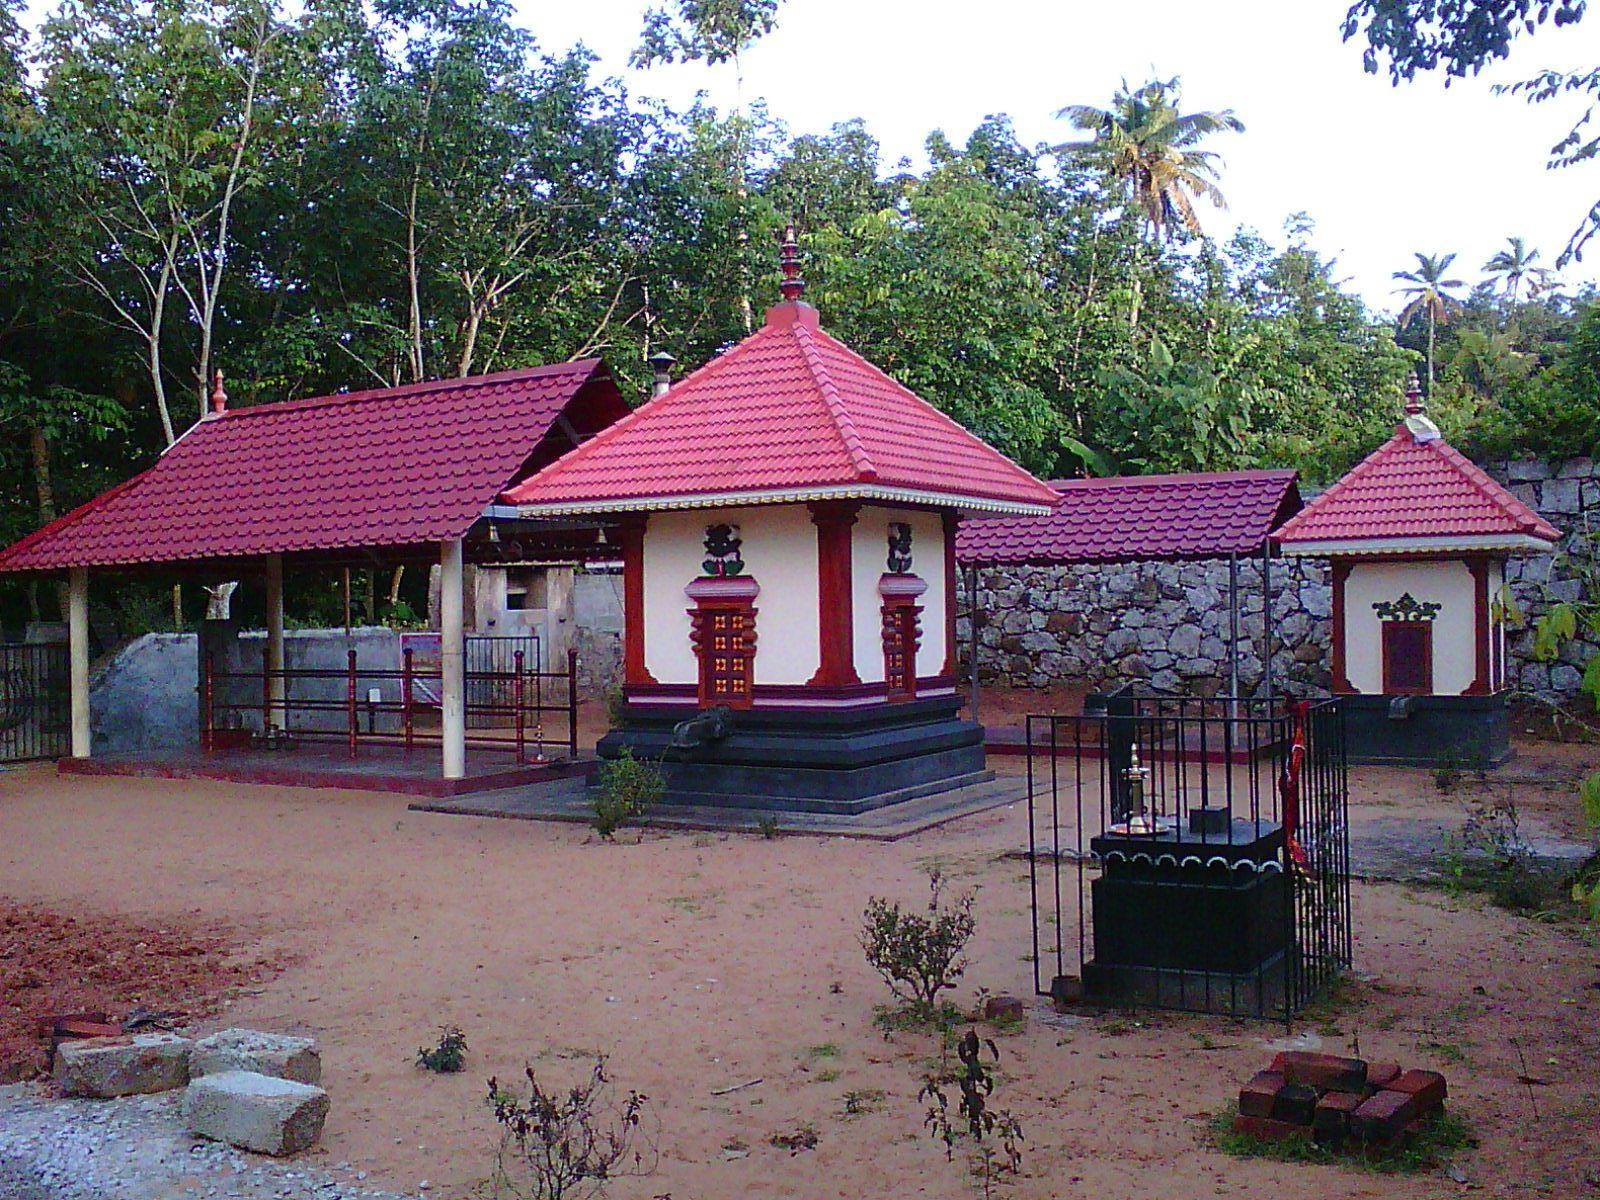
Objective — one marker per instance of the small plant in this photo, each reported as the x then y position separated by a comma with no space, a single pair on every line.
1491,856
919,954
629,788
1447,770
448,1056
987,1126
556,1144
863,1100
767,823
801,1137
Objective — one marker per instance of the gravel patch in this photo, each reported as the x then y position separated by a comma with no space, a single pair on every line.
137,1148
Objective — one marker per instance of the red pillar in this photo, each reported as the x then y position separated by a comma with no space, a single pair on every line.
631,535
835,595
952,522
1341,572
1482,684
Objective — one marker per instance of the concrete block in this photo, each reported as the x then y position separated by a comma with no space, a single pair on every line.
123,1066
256,1112
275,1054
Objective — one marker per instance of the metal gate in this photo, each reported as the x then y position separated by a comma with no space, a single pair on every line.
35,708
1190,853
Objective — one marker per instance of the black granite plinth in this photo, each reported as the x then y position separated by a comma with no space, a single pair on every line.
839,761
1426,731
1187,911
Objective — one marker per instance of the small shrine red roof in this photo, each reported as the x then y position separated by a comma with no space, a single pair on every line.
790,413
1139,517
387,467
1415,492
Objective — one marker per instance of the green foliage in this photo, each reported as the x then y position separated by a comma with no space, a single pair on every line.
448,1055
1440,1139
629,788
996,1133
919,954
557,1143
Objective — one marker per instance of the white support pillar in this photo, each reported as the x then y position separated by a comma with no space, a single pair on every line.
452,660
78,650
276,690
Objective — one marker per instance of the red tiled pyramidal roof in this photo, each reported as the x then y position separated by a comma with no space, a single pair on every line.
388,467
1139,517
1415,487
790,413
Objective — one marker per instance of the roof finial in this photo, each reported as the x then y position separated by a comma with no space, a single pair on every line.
1414,405
219,397
792,287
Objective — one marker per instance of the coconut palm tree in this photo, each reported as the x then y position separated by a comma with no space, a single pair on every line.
1430,297
1145,140
1514,265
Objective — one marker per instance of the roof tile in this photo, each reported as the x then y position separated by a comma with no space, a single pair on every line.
1134,517
1413,488
392,466
788,407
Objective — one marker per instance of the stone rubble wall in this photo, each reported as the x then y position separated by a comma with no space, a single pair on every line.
1166,624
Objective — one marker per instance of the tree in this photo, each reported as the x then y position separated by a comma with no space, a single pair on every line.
713,31
171,110
1515,265
1459,35
1462,36
1145,140
1431,297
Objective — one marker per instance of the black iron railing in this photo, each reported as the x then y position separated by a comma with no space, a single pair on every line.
1228,840
35,706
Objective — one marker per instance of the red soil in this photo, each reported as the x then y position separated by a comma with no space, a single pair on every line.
51,965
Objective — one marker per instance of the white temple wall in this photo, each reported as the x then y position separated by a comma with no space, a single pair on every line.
1447,583
869,559
780,554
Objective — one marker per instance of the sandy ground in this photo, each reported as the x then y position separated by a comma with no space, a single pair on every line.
697,962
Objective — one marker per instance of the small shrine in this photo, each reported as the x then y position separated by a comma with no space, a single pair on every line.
1418,537
786,518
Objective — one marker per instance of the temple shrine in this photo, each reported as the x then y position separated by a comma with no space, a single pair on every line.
787,518
1418,538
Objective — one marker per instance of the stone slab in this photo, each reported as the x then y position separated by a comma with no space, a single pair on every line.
276,1054
131,1065
256,1112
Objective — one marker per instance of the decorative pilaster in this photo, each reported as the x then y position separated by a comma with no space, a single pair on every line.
1482,684
630,534
834,520
952,523
1341,682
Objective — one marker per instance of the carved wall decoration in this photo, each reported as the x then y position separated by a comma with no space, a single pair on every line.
899,547
1407,608
723,556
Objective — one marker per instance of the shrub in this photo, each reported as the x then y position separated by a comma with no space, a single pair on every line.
448,1056
974,1079
568,1143
919,954
628,790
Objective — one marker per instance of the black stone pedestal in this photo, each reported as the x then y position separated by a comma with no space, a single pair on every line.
1427,731
1190,920
839,761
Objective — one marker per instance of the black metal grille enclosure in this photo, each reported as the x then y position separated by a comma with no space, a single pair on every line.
1190,853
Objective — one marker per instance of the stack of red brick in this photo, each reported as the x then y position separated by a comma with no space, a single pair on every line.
1338,1101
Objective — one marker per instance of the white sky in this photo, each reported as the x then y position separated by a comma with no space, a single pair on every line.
1384,171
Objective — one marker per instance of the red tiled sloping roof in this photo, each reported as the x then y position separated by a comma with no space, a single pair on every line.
1139,517
790,407
1413,489
388,467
